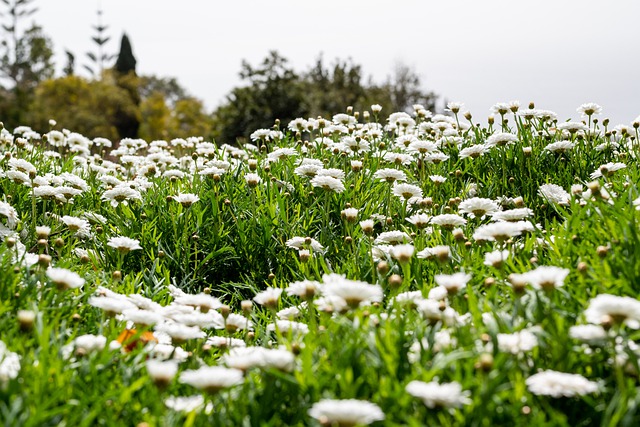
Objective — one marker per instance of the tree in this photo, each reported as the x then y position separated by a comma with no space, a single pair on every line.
12,58
126,62
273,91
168,111
25,60
91,107
405,90
70,68
99,58
331,90
31,59
124,72
186,118
168,87
154,117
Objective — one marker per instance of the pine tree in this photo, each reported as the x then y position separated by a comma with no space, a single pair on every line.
99,58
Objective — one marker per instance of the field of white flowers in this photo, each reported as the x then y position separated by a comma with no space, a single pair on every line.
403,269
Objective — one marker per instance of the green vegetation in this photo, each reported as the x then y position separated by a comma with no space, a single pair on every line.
435,271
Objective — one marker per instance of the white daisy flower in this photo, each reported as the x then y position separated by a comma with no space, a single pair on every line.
547,277
328,183
590,334
497,231
433,394
64,279
496,258
212,379
353,292
202,301
606,308
121,194
560,384
448,221
289,326
478,207
304,243
517,342
162,372
186,199
269,297
124,244
347,412
501,139
188,404
560,146
453,282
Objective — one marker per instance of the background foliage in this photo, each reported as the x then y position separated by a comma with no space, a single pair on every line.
114,102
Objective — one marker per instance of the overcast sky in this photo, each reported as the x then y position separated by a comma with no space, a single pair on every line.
557,53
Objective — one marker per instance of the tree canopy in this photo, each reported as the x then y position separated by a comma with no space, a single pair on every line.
273,90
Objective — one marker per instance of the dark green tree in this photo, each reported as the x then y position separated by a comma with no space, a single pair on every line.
124,73
126,62
273,91
331,90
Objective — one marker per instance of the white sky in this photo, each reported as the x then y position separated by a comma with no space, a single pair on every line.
558,53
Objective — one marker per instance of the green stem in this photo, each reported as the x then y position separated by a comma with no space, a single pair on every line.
33,212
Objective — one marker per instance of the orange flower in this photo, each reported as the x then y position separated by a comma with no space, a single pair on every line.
130,339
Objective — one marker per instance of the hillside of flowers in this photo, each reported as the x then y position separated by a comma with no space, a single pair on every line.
370,268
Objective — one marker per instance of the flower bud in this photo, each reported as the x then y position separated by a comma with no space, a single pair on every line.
582,267
485,362
383,267
602,251
26,319
395,281
304,255
44,260
246,306
225,310
10,242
